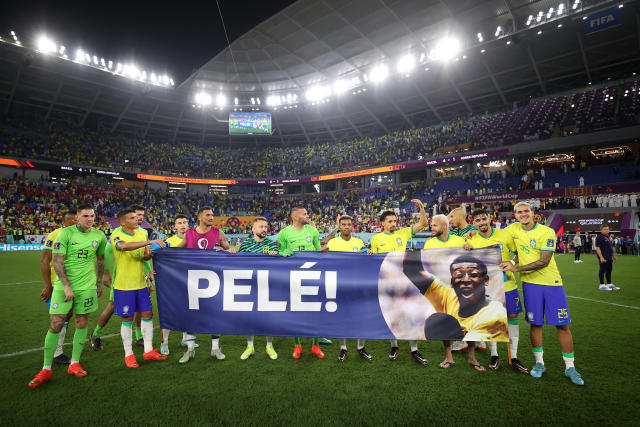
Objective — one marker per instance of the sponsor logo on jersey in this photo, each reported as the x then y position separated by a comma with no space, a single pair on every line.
203,243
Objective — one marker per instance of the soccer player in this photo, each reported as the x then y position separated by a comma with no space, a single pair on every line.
392,240
180,226
204,236
461,228
345,242
259,243
78,260
488,236
606,256
544,296
442,238
300,236
130,292
109,274
49,277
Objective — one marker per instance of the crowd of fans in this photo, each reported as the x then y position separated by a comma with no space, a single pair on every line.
557,116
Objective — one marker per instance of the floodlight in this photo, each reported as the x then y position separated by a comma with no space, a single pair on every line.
446,49
378,73
46,45
406,63
79,55
340,86
481,39
317,93
221,100
203,98
165,80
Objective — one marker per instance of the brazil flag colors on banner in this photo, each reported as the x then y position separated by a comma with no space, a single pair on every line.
399,295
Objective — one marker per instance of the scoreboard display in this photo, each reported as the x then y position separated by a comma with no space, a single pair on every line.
593,222
241,123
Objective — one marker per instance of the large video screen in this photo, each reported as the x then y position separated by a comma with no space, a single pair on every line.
592,222
249,123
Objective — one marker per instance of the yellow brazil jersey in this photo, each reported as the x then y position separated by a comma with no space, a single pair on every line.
505,241
130,271
488,324
529,245
385,242
451,242
174,240
339,244
48,246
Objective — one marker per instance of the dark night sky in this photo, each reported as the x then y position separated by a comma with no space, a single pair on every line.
174,38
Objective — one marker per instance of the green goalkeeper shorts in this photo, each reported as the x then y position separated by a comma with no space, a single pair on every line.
83,302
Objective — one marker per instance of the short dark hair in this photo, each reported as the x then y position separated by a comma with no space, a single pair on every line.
204,208
479,212
137,208
603,226
259,218
84,205
181,216
344,218
296,208
471,260
72,211
385,214
125,211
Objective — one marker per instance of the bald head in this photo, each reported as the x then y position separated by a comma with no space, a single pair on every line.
458,218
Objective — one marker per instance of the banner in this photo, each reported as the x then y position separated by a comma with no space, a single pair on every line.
602,20
6,247
35,238
430,294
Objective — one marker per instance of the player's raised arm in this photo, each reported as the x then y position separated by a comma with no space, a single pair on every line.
412,268
422,222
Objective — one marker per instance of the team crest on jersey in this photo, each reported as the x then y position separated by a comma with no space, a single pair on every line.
399,240
550,243
125,309
54,305
94,243
308,239
532,243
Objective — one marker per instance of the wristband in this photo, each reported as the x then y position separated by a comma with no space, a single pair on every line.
512,262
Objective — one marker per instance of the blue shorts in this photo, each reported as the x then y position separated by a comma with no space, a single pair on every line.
550,302
48,303
127,303
512,298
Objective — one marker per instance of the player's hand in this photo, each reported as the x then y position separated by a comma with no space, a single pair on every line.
602,260
151,288
418,203
471,233
232,250
99,290
159,242
467,247
68,294
615,258
46,293
507,266
273,253
369,252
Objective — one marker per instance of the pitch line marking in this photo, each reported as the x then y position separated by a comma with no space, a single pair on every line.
605,302
31,350
20,283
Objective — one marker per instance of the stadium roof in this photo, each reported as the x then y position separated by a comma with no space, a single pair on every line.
314,43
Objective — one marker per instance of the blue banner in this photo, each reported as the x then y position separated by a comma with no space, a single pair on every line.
602,20
335,294
20,247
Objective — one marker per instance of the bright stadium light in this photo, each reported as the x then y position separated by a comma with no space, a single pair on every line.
95,60
153,78
378,73
110,65
529,19
340,86
539,17
46,45
171,81
119,68
258,100
560,9
273,100
79,55
446,49
221,100
253,101
235,101
102,62
406,64
165,80
480,38
316,93
550,13
203,98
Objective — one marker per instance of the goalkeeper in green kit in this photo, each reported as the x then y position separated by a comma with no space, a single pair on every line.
300,236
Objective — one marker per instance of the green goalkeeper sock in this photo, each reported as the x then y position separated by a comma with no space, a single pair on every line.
50,345
79,338
97,332
297,341
138,333
315,341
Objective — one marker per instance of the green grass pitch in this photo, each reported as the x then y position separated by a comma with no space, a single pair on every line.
310,391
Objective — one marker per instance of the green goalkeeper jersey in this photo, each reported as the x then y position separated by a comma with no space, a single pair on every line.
80,250
291,240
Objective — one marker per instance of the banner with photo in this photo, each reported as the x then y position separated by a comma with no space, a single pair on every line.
433,294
